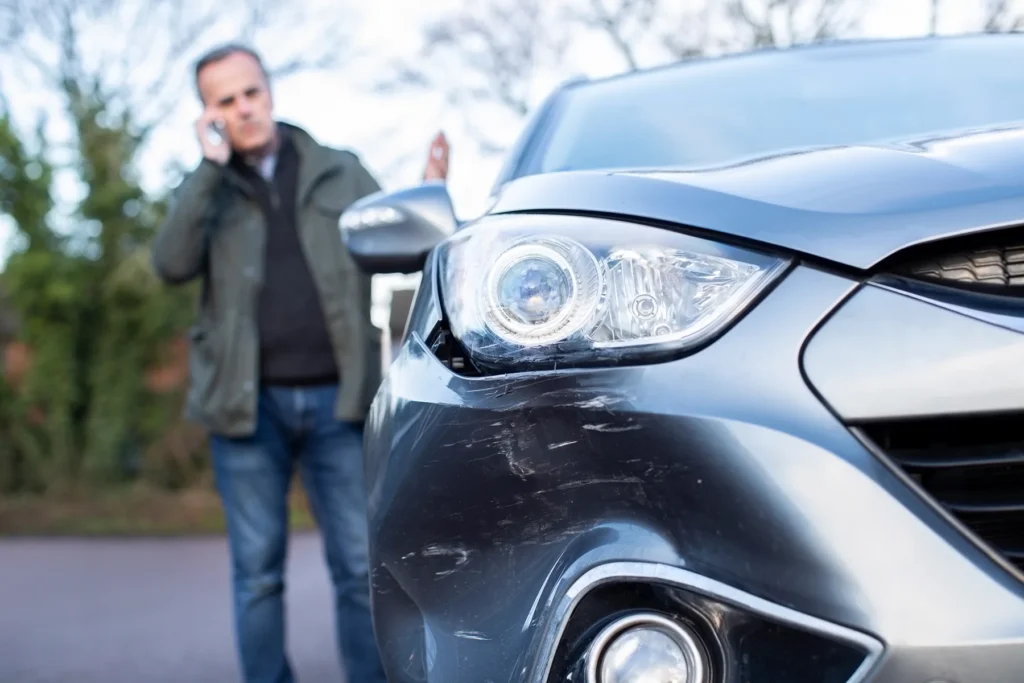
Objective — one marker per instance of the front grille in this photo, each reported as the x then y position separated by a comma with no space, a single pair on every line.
991,261
973,467
1000,266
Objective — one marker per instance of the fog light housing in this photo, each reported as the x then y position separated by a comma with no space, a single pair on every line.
645,648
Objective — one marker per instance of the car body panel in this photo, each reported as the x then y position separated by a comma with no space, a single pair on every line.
884,355
490,497
852,205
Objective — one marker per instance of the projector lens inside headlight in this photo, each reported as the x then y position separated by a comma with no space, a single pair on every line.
528,291
542,290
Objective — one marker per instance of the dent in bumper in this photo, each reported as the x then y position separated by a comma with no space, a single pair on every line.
490,498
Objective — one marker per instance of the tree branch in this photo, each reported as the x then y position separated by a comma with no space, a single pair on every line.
831,19
999,17
624,23
163,34
692,37
484,54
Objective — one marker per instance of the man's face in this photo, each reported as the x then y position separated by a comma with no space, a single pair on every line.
236,91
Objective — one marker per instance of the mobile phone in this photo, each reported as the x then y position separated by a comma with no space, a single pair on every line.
215,132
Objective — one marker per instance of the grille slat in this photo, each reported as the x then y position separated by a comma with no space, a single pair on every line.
973,467
993,261
984,508
1003,454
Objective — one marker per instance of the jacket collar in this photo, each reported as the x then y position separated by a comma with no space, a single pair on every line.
315,162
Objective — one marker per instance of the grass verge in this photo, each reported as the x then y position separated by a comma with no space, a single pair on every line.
132,512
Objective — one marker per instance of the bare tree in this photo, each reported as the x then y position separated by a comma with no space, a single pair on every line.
136,55
1002,16
702,27
691,35
647,31
485,54
492,53
933,17
624,22
782,23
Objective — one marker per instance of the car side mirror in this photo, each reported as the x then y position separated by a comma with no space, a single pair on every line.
394,232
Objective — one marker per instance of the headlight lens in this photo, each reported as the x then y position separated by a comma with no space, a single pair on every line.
540,291
555,290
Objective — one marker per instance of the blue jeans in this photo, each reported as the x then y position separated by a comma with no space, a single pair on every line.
296,426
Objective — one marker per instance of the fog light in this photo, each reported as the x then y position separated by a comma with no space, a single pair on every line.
645,648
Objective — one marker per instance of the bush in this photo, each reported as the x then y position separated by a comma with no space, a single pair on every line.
95,319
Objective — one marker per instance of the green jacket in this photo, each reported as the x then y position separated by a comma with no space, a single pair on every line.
215,231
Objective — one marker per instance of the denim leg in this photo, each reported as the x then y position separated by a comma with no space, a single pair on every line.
331,466
252,477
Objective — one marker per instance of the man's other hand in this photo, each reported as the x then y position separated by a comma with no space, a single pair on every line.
437,161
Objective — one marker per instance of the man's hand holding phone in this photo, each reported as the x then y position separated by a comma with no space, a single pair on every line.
212,138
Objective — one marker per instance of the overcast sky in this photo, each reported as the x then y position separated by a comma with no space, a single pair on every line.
338,108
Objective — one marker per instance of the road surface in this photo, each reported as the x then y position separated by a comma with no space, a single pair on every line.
146,611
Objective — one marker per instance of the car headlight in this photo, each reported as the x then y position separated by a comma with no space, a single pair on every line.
525,291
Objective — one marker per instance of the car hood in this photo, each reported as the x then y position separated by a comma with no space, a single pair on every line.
853,205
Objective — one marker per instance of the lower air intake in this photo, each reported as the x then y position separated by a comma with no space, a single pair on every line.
972,466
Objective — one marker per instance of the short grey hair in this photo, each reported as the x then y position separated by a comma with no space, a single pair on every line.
223,51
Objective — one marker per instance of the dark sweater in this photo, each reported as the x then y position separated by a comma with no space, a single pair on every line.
295,346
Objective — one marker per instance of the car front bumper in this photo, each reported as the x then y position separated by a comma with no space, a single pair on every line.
726,482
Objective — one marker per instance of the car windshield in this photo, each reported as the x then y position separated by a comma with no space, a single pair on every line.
722,111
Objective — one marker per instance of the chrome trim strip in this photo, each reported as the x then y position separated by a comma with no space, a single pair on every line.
648,571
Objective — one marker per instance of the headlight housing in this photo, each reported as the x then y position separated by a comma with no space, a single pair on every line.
532,291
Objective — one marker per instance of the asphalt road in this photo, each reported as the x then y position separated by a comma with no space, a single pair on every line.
146,611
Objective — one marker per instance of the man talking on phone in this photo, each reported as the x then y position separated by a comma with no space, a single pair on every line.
284,358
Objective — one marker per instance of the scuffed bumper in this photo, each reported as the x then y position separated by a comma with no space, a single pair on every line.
497,504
